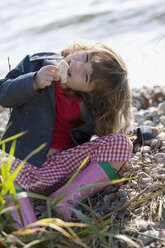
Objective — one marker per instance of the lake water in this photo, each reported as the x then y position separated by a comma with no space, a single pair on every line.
134,28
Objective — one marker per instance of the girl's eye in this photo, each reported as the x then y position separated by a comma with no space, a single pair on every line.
87,58
86,78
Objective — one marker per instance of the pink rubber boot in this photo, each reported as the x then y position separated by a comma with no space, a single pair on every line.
93,174
27,212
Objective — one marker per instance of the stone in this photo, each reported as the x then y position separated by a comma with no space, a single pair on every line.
158,155
147,170
143,175
148,123
153,111
161,160
147,180
161,136
162,120
162,149
136,167
146,149
155,143
161,108
155,170
134,184
162,171
149,238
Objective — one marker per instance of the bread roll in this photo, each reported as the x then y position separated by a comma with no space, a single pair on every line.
63,71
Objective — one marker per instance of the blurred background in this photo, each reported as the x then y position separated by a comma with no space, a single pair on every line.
134,28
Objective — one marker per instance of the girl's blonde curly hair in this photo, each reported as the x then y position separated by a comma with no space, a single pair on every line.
110,101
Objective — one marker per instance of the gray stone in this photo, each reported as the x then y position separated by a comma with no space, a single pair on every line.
162,171
134,184
148,123
137,167
155,170
143,175
147,180
162,149
162,120
149,238
146,149
161,136
161,108
158,155
153,111
161,160
147,170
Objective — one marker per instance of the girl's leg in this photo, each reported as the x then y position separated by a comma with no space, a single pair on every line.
59,167
27,211
95,173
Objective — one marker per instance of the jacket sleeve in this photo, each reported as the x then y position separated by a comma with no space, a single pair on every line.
17,87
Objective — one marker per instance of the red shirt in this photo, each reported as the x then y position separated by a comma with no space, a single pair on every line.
67,117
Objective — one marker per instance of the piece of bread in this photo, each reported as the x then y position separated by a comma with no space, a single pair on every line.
63,71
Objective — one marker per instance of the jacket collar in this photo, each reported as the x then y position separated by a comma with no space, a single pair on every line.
45,56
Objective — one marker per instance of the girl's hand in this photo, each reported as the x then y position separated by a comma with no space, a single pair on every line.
45,76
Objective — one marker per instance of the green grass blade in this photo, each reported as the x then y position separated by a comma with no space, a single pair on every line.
94,228
3,147
11,154
91,186
3,171
75,174
125,238
16,136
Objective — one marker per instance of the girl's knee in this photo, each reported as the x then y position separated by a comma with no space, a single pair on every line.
120,140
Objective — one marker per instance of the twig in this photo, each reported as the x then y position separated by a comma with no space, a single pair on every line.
9,63
8,59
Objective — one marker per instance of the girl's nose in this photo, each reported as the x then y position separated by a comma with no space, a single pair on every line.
78,66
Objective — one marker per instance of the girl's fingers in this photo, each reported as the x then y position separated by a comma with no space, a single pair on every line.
51,68
51,73
49,78
47,83
56,77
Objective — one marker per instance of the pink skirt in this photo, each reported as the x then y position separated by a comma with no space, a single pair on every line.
59,167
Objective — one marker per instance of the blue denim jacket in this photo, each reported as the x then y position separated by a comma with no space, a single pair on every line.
34,111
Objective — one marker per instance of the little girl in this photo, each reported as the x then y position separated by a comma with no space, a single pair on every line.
95,100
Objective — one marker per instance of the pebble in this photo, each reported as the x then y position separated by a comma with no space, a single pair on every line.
136,167
161,136
134,184
155,143
147,170
158,176
148,123
161,160
143,175
162,171
153,111
146,149
162,149
138,154
155,170
159,155
147,240
147,180
161,108
162,120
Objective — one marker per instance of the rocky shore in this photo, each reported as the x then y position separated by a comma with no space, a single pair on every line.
139,205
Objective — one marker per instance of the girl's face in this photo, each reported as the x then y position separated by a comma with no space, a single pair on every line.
79,73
